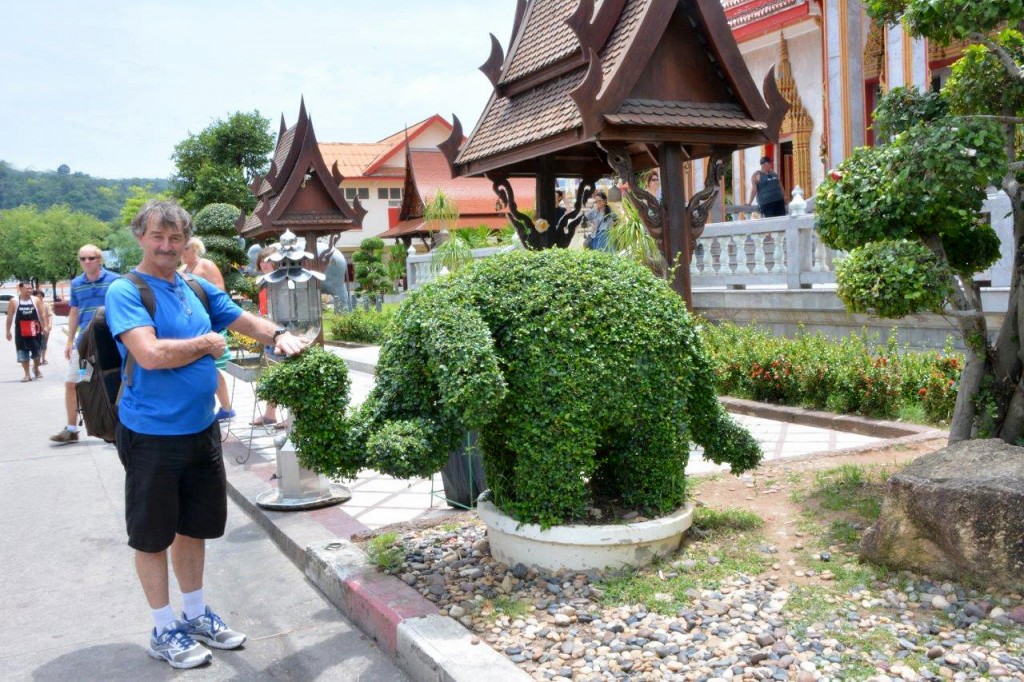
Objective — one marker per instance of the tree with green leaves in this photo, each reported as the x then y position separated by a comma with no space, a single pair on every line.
42,246
218,164
372,278
908,209
215,225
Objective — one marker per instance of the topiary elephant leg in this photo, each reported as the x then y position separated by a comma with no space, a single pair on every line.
549,478
651,476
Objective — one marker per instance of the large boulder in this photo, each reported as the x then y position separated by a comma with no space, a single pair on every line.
956,513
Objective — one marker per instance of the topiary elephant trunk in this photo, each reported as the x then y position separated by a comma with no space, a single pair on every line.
582,372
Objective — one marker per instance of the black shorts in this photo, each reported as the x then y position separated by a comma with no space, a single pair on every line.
173,484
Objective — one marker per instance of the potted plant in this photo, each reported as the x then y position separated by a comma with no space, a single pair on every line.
583,375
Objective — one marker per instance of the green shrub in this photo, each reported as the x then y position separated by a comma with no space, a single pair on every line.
850,375
893,279
362,326
581,371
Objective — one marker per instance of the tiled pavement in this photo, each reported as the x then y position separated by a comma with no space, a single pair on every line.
379,500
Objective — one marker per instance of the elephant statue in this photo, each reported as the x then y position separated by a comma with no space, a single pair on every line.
337,281
582,372
253,253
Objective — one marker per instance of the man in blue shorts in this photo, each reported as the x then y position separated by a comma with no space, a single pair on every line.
87,292
168,439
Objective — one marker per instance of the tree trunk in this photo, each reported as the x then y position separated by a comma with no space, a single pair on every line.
1009,353
974,332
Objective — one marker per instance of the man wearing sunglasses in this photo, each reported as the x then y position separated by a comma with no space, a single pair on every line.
87,293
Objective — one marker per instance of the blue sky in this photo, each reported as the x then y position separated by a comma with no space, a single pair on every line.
110,87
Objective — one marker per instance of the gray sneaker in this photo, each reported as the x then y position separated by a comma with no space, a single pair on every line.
177,648
209,629
65,437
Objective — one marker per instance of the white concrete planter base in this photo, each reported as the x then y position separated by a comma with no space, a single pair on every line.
579,547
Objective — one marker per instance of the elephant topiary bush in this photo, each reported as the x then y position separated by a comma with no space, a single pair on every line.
582,372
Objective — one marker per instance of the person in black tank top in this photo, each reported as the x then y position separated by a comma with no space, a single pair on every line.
23,312
766,187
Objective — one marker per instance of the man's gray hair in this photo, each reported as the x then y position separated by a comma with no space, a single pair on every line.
168,213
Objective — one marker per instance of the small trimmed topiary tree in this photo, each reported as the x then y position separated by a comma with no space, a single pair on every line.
582,372
215,225
372,277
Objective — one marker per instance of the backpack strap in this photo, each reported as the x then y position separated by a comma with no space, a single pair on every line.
197,289
149,303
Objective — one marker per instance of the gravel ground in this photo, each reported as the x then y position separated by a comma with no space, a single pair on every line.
750,627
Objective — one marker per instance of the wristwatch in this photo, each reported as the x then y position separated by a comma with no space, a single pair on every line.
278,332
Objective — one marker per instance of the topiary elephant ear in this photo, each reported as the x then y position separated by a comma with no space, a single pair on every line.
461,359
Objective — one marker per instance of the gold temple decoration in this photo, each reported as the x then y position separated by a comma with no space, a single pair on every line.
798,124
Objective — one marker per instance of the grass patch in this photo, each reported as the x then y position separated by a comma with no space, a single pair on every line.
662,587
849,488
384,553
912,413
842,532
506,606
450,526
729,520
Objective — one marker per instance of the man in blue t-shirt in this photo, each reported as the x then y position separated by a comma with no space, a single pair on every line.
168,439
87,293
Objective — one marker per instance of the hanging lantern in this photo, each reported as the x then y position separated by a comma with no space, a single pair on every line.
293,292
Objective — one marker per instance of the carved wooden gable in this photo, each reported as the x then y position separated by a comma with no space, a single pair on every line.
580,72
300,192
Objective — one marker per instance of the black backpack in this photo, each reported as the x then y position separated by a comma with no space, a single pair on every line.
100,389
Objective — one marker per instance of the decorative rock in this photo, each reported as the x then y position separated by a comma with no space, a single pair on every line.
955,512
939,602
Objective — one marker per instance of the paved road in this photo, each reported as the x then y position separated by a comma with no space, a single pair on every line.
72,607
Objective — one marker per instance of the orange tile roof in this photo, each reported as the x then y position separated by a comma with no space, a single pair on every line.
473,196
352,158
420,226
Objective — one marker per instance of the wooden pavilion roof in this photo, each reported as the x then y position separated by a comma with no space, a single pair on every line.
580,75
300,193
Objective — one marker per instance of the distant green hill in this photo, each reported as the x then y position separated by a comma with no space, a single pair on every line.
96,196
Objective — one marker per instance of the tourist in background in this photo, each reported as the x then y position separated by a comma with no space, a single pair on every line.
601,219
46,309
24,313
87,293
192,262
263,266
765,186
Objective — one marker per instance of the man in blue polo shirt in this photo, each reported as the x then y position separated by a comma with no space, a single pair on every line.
168,439
87,293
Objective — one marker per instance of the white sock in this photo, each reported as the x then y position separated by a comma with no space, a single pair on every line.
195,604
163,617
73,428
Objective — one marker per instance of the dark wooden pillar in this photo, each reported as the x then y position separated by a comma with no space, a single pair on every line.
677,224
545,193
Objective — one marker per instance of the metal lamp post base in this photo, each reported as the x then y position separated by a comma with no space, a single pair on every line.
299,488
276,501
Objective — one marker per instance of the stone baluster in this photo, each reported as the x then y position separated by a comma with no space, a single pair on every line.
759,247
778,254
